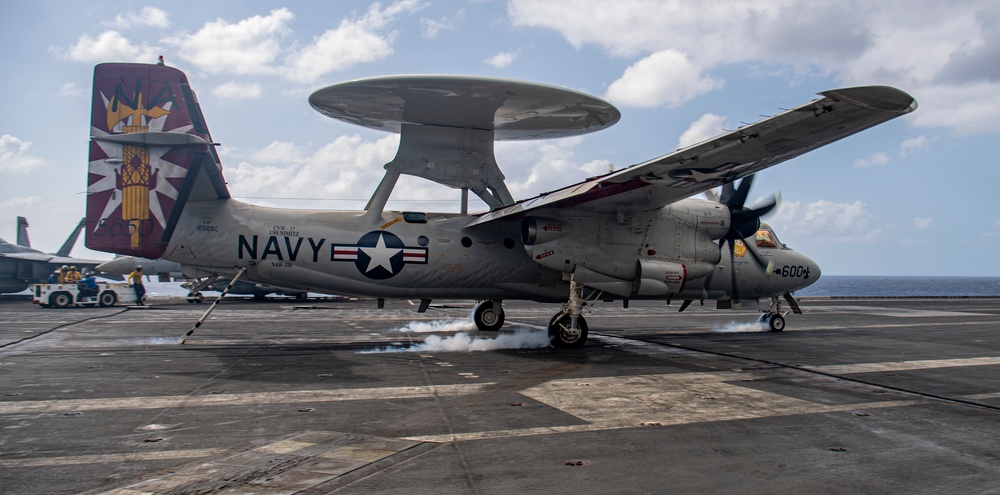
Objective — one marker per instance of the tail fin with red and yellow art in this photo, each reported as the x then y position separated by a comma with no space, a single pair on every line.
150,153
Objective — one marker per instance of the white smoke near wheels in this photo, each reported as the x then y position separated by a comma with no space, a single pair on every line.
741,327
513,338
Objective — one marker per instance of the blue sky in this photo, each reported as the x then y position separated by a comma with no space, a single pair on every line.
915,196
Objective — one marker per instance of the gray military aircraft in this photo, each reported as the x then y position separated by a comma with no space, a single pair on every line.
156,189
21,265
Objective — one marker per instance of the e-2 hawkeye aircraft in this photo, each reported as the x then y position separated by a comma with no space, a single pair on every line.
156,189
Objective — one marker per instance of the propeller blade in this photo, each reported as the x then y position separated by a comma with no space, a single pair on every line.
745,221
740,197
728,190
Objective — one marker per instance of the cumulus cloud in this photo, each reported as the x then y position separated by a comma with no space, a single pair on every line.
533,167
706,127
941,53
345,168
14,156
147,16
72,89
502,59
429,28
109,45
827,221
912,144
663,78
250,46
234,90
338,49
281,152
17,203
878,158
353,42
921,223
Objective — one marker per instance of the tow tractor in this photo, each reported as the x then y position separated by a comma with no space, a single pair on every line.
67,295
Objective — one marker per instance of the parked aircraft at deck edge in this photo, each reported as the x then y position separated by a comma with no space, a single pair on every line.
21,265
156,189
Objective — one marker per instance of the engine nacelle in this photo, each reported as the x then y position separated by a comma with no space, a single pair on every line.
539,230
660,278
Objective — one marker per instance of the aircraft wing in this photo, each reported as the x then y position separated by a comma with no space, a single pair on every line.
48,258
726,158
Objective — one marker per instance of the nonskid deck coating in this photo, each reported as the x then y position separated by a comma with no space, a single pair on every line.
104,399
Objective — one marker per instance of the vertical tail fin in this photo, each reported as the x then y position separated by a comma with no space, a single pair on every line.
71,240
150,153
22,232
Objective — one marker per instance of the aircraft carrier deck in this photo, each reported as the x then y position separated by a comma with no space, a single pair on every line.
856,396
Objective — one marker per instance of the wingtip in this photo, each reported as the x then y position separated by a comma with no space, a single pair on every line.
884,98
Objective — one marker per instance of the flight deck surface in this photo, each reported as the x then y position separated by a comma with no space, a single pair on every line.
856,396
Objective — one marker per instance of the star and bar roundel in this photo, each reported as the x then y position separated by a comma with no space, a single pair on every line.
380,255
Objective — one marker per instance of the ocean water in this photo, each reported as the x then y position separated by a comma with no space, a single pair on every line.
874,286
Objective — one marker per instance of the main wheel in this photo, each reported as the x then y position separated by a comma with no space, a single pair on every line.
776,323
561,333
107,298
487,318
60,300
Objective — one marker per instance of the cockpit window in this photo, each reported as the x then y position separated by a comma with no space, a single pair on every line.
766,238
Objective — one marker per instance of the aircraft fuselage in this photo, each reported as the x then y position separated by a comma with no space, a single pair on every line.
435,255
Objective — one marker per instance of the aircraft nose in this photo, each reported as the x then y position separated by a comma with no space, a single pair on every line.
120,266
797,269
813,267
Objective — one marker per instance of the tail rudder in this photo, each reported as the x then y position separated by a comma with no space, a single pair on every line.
67,246
22,232
149,150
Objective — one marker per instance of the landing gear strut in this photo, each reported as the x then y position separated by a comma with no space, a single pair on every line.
774,318
568,328
488,315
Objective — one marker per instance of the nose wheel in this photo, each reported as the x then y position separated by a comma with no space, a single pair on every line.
774,318
774,322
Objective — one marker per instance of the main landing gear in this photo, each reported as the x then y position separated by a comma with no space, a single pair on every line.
488,315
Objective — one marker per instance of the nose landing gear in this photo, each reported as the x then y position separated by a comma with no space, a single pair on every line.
568,328
774,318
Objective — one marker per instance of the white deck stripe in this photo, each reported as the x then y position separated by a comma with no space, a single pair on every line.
105,458
255,398
904,365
